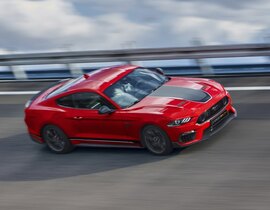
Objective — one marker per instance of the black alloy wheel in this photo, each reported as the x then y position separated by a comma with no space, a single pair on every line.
56,140
156,140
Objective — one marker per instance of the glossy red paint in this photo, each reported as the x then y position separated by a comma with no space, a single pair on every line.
123,126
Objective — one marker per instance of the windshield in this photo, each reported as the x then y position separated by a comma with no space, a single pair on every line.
135,86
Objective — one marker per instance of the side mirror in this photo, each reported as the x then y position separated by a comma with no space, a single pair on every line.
160,71
105,110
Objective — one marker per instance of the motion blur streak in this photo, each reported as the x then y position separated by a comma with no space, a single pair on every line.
248,88
229,171
18,92
227,88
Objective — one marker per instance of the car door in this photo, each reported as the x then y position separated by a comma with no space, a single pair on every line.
86,120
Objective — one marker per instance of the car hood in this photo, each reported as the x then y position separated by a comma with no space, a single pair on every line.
187,94
190,89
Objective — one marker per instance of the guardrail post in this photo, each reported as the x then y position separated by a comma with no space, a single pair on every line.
75,71
18,72
205,68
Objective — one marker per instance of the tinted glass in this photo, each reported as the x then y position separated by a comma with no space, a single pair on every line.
82,101
66,101
65,87
135,86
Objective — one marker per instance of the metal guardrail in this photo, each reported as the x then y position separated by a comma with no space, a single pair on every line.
129,55
218,71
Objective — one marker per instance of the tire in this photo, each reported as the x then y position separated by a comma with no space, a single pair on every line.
56,140
156,140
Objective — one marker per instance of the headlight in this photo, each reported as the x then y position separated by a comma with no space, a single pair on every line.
28,103
179,122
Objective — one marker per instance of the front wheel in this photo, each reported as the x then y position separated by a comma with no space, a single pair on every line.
156,140
56,140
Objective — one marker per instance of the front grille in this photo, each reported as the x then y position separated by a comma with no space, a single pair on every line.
213,110
217,123
219,119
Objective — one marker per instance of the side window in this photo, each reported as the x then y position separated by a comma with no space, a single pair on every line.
66,101
83,100
87,101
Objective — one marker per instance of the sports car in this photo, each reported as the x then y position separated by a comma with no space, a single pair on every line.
128,106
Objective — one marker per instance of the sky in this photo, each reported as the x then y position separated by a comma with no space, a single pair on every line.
57,25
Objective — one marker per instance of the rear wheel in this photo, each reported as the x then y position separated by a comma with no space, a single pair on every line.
156,140
56,140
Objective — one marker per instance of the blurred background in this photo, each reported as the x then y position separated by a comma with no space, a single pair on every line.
42,41
38,26
53,25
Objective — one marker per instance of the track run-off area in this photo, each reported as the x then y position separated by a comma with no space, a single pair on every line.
230,171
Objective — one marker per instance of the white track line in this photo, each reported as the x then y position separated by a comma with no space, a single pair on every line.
227,88
18,92
248,88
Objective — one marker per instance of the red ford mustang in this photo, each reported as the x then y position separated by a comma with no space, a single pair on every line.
128,106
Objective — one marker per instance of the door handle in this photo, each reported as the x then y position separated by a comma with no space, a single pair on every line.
77,118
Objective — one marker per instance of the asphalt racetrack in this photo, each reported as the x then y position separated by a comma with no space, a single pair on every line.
230,171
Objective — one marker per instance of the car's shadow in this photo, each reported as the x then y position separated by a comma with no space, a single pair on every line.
23,160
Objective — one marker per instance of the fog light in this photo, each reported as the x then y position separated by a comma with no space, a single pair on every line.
187,136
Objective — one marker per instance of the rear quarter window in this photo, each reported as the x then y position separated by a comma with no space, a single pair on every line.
66,101
65,87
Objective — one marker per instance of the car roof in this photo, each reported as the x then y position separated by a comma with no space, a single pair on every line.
100,79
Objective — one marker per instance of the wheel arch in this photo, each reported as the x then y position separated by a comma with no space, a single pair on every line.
150,123
53,124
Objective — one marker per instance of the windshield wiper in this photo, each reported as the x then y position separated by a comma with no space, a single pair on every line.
157,87
134,102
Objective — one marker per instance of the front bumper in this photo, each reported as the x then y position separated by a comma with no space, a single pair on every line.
214,129
200,132
36,138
